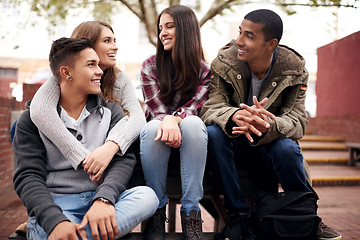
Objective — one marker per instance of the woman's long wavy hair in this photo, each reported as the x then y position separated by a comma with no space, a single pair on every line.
178,70
92,31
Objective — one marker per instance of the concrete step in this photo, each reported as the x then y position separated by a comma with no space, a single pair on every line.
326,157
335,175
318,138
317,145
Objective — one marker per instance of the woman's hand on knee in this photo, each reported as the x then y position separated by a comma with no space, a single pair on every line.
169,131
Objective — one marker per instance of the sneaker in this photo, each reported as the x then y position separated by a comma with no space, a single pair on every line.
326,233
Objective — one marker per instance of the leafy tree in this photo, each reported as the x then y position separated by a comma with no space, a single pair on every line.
147,11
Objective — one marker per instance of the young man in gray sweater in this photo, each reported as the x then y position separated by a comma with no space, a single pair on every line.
62,202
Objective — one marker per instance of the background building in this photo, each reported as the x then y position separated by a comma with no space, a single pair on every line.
25,38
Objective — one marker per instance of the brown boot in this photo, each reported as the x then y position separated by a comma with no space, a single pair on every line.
155,225
192,225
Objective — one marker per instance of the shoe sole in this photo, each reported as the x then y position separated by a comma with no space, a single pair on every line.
335,238
16,236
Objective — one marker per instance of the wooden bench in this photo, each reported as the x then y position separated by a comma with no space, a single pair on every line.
354,150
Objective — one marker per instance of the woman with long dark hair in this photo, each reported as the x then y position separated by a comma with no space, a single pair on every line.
175,84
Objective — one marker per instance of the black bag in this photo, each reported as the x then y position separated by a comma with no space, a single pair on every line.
285,215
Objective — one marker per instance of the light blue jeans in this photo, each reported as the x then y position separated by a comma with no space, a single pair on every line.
193,150
133,206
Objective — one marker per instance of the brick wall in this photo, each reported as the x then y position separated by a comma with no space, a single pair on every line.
6,153
7,106
347,127
29,90
5,90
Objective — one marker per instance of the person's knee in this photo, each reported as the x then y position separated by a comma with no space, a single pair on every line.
192,120
192,124
148,195
287,152
150,129
193,129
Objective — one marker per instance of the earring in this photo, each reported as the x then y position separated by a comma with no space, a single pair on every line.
69,78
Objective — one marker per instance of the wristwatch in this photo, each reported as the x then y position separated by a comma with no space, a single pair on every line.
104,200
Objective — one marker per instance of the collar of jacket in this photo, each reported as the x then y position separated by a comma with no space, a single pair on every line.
288,70
288,62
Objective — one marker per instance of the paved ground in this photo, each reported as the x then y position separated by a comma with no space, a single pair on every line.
12,213
339,206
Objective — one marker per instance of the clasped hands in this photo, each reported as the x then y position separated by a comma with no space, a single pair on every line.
252,119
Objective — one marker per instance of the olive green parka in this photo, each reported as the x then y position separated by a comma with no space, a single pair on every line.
285,88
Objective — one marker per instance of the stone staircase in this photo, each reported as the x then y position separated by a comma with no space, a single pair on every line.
328,158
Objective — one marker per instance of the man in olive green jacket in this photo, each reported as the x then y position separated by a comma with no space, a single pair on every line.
260,135
285,89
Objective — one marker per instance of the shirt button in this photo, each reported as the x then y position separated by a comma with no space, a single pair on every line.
238,76
79,137
273,84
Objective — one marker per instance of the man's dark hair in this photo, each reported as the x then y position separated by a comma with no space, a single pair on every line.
272,23
63,52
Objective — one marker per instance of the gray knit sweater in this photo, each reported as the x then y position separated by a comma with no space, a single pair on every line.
40,171
44,115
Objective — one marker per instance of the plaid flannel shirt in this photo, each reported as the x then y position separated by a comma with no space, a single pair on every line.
156,109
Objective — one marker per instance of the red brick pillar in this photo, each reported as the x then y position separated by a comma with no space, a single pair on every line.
6,153
29,90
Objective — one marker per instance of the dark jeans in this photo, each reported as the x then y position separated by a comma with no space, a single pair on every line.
279,161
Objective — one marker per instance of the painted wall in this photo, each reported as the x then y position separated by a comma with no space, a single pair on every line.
338,78
338,90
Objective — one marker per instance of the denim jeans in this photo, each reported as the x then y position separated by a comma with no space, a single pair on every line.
193,150
280,160
133,206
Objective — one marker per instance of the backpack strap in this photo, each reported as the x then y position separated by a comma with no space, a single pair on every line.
288,198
